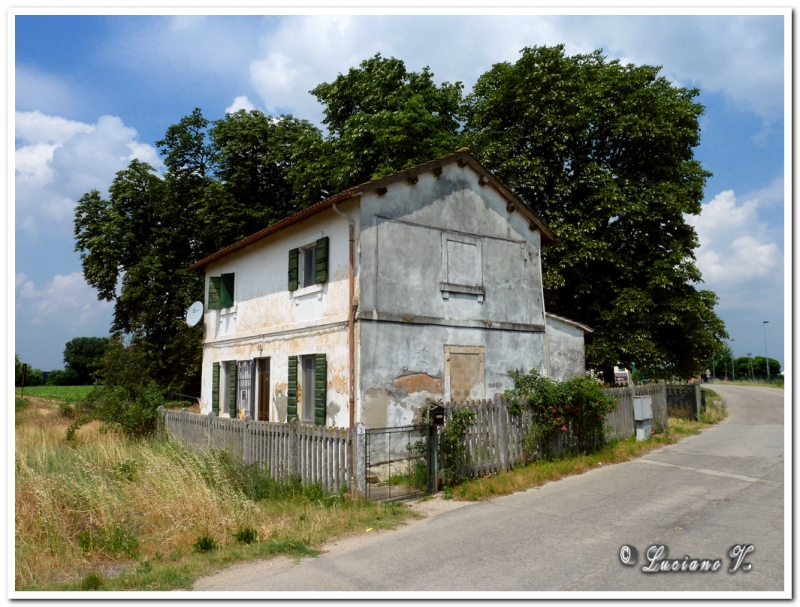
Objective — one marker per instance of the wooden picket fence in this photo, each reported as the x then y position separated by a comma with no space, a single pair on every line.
316,454
494,443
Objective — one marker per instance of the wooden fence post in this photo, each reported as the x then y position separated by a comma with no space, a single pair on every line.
294,425
160,423
246,440
209,434
360,463
502,431
184,415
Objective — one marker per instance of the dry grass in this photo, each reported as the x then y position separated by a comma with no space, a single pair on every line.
103,501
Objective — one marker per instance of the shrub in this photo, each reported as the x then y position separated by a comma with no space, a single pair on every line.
577,405
119,539
205,543
128,400
92,581
247,535
452,447
68,377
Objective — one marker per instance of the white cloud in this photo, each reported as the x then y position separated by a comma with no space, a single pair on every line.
66,298
60,160
735,244
36,128
738,56
240,103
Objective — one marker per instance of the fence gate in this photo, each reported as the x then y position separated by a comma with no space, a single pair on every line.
400,462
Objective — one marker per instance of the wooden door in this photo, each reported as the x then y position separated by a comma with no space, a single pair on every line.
263,389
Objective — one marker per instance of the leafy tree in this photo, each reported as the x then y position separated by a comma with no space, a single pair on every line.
604,153
128,397
760,368
258,179
33,376
63,377
382,118
220,184
81,356
135,247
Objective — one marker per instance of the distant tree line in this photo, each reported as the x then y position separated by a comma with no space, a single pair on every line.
82,357
601,150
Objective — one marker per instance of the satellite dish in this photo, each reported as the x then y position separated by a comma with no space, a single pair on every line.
194,313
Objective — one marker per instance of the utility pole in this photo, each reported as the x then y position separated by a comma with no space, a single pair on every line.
750,357
764,324
733,363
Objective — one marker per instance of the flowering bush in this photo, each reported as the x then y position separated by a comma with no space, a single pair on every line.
577,406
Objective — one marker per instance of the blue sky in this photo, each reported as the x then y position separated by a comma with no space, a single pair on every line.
93,92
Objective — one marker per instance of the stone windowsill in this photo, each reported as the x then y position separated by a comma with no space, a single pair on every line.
447,287
305,291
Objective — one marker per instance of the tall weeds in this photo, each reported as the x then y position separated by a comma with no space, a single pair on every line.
101,499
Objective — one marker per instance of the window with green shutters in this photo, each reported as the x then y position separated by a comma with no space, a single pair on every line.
215,389
294,269
214,293
322,260
220,291
308,265
320,390
226,297
291,390
232,388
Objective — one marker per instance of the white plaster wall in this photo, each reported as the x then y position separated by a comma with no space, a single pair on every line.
331,341
284,323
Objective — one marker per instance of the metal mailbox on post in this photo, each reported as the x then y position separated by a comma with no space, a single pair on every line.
643,416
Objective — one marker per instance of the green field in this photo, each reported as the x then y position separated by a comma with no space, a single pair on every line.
65,393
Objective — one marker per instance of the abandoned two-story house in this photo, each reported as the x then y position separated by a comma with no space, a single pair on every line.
422,284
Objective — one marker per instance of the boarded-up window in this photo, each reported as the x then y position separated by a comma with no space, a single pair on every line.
464,372
463,263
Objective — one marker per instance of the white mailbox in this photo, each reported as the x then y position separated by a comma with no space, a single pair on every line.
642,408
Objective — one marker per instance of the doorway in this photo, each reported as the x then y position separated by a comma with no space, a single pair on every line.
263,389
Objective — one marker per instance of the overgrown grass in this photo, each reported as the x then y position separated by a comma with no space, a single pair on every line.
104,504
544,471
63,393
540,472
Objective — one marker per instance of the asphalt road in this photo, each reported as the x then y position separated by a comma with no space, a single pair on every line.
698,498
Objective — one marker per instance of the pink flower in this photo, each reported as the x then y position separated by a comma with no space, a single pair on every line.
563,428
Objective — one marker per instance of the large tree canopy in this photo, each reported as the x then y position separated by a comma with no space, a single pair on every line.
604,153
82,357
223,181
382,118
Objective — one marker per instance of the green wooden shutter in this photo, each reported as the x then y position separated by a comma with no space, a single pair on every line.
232,386
226,297
320,390
322,260
291,390
215,389
294,269
214,292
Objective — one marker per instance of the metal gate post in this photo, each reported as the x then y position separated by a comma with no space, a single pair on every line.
433,458
360,472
